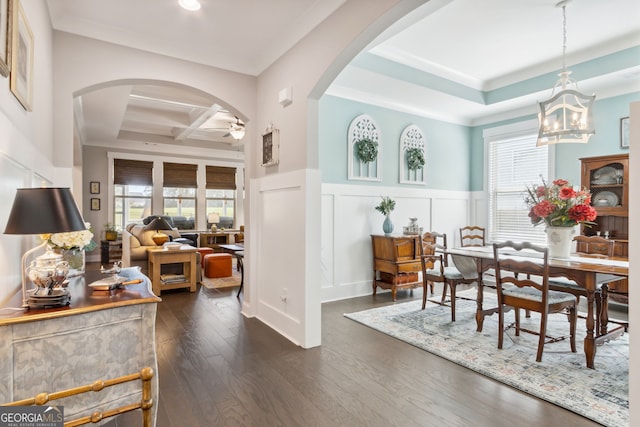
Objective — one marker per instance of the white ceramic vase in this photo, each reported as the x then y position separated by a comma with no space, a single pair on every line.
559,241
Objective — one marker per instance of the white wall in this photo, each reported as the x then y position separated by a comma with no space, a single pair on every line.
82,64
26,145
308,69
349,219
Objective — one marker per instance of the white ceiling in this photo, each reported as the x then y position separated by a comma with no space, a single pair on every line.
482,44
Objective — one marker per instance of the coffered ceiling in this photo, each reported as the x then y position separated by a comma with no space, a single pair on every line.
476,45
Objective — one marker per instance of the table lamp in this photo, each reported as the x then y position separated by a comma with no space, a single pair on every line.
158,224
42,211
213,218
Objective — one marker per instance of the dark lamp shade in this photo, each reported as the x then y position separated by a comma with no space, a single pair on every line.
158,224
44,211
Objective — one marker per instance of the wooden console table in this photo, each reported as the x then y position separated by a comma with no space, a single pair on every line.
214,240
101,334
184,256
396,262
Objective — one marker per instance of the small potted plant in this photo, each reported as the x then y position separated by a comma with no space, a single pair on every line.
386,206
110,232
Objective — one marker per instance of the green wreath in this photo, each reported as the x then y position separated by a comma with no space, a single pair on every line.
415,158
366,150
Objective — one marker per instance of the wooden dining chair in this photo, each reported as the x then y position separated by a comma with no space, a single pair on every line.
590,246
530,291
594,246
472,235
436,269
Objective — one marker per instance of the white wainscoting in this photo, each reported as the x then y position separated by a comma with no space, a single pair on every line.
283,255
349,218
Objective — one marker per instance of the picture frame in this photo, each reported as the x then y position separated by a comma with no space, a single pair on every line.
624,132
270,147
95,204
94,187
6,21
21,76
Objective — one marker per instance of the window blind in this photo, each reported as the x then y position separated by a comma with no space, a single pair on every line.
221,178
514,164
180,175
132,172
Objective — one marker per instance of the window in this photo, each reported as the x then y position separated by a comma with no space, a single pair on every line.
133,187
179,194
221,193
221,202
136,195
514,162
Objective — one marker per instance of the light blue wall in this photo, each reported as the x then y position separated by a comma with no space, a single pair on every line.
606,115
450,147
447,145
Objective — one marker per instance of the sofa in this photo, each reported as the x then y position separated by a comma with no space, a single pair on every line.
176,221
136,240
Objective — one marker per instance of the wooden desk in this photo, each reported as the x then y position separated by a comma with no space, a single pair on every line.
396,262
184,256
586,272
98,335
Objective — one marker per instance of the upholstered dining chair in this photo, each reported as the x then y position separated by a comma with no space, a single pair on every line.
472,235
436,269
530,291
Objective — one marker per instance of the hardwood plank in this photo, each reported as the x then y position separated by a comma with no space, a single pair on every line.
217,368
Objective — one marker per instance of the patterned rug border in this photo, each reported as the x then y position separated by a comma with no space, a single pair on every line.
606,401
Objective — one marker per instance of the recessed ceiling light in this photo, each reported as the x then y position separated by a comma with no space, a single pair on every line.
189,4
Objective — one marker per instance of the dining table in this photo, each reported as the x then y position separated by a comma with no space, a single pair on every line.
589,273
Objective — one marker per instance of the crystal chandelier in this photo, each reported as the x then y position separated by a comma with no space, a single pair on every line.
567,116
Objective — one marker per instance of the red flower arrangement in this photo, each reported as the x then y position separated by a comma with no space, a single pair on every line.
559,205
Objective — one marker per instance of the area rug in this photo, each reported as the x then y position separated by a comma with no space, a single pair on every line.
223,282
561,378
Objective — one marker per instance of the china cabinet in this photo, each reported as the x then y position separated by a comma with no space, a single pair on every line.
607,177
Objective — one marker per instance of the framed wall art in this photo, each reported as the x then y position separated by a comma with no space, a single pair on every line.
21,80
270,147
364,145
94,187
95,204
5,36
624,132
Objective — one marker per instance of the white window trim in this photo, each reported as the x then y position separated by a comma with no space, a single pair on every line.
512,130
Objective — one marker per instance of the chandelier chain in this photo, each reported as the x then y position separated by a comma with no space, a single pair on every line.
564,37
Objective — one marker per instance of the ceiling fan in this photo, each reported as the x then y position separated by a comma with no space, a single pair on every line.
235,129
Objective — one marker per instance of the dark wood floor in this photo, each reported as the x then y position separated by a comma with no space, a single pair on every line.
217,368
